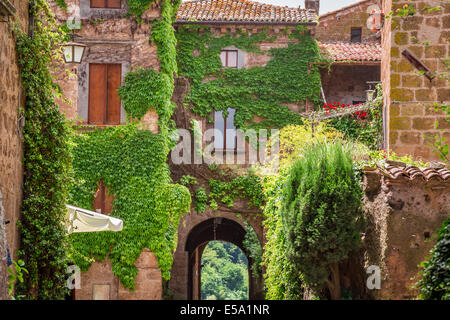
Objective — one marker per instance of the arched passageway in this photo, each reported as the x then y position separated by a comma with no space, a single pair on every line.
213,229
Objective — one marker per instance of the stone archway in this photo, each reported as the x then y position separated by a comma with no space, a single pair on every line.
213,229
195,232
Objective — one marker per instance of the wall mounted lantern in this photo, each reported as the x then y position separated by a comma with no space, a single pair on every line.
74,52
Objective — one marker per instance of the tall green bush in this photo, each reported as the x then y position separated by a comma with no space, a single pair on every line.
280,279
46,159
321,214
435,281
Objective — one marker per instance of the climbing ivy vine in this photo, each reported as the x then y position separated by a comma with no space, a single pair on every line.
46,159
144,89
132,164
288,78
253,249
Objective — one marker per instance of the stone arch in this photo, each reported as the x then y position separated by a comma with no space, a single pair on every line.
195,232
220,229
213,229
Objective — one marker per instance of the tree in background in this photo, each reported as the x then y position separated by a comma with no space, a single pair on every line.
224,272
321,214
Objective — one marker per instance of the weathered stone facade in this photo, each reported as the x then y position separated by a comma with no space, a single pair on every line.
336,25
346,81
410,96
111,38
404,206
11,146
99,282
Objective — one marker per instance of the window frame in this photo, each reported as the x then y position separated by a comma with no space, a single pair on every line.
358,35
226,51
104,198
224,138
105,121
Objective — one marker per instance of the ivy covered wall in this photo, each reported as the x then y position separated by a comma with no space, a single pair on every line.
260,94
132,164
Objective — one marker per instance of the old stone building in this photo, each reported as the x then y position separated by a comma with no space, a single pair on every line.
11,124
116,44
355,50
405,205
348,23
414,64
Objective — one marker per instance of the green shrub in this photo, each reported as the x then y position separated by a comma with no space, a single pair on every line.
435,281
253,248
321,214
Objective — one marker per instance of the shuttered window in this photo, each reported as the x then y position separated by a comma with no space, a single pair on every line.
110,4
104,102
103,200
227,138
229,58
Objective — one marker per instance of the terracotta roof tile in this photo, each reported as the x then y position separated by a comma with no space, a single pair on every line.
242,11
341,51
413,172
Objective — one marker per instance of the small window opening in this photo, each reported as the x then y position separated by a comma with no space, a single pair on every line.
356,35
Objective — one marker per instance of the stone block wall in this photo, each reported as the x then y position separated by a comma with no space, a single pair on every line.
99,283
410,95
11,145
178,284
403,215
336,25
111,37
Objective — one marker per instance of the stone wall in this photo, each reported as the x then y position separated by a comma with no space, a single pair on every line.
386,71
404,212
111,37
348,83
99,282
11,146
410,95
336,25
251,59
178,283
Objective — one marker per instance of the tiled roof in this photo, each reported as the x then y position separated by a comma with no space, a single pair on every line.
351,51
242,11
411,172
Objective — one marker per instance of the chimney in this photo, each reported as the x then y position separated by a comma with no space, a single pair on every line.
313,5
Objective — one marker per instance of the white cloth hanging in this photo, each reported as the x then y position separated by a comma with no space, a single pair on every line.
82,220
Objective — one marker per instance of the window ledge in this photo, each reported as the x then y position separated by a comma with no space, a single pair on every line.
226,151
82,126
